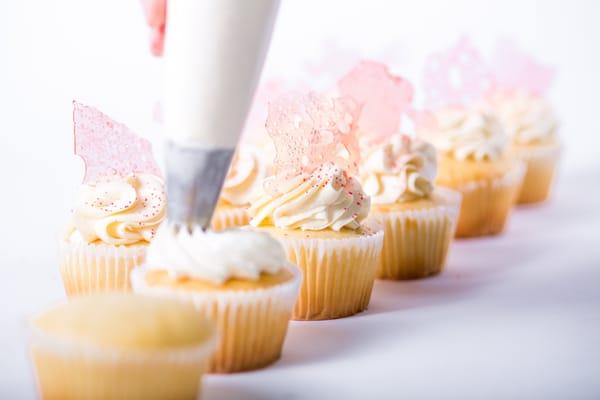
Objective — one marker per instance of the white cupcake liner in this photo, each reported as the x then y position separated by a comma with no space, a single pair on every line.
338,273
95,267
416,241
252,324
226,217
542,162
68,370
487,204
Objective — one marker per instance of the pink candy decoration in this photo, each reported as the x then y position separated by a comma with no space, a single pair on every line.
455,77
310,130
108,147
384,98
514,70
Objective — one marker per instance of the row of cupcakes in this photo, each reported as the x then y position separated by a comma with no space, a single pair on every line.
346,199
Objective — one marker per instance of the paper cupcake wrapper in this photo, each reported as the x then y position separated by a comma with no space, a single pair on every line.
541,169
338,274
225,218
65,370
88,268
486,205
252,324
416,242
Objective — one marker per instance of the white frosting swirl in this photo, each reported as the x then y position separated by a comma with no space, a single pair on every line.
526,118
215,256
119,210
326,199
244,178
399,169
468,134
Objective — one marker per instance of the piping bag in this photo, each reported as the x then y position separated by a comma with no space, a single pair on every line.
213,56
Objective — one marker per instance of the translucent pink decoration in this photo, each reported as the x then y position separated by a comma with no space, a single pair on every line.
514,70
108,147
310,130
455,77
254,130
383,97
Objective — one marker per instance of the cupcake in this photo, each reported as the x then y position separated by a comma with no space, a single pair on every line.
419,219
238,278
316,208
518,101
241,184
475,160
398,172
117,210
120,346
474,154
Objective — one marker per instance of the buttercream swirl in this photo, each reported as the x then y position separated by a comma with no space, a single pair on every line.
244,178
527,119
119,210
399,169
326,199
471,133
215,256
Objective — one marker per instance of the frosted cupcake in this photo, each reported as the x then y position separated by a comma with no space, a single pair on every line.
398,172
419,220
315,207
518,101
242,183
117,210
474,159
474,149
120,346
240,279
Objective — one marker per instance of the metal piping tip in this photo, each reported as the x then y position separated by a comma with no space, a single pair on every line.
195,176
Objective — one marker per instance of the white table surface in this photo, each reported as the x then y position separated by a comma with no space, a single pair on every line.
515,316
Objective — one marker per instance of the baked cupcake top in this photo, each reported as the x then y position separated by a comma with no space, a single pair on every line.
467,134
399,169
312,186
244,178
215,257
118,210
125,322
122,200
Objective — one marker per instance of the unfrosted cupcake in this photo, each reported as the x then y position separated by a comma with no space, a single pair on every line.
532,125
118,209
316,208
419,220
242,183
238,278
475,159
120,346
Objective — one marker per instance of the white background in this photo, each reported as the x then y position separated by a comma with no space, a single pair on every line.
513,317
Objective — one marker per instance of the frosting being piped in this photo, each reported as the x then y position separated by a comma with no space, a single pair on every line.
215,256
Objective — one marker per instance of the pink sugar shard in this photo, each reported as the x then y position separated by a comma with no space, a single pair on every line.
108,147
515,70
383,97
455,77
311,129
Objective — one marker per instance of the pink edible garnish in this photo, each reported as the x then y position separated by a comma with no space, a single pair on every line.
108,147
455,77
310,130
514,70
383,97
